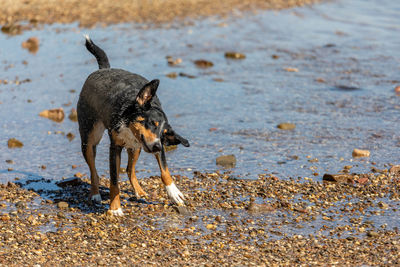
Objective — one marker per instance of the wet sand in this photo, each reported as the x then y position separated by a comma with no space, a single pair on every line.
88,13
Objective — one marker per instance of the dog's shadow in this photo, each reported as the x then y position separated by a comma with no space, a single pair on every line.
73,191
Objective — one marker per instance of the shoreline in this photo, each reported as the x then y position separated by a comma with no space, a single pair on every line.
90,13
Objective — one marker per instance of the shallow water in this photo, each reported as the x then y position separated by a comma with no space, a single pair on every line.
352,48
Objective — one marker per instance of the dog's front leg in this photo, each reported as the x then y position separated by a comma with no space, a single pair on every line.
115,161
133,156
172,191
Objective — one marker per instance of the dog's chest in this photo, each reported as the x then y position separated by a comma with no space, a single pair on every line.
125,138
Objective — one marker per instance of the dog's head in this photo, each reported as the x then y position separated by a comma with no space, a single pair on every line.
149,123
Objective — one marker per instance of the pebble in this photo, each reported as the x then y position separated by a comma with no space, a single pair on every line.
226,161
395,170
56,114
286,126
32,44
397,90
14,143
372,234
70,136
172,75
360,153
291,69
62,205
173,62
339,178
73,115
202,63
235,55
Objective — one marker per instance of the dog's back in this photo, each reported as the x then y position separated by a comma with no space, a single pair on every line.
107,90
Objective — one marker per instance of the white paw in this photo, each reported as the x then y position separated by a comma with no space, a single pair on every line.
117,212
96,198
174,194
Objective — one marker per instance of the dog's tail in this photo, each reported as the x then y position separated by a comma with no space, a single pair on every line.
100,55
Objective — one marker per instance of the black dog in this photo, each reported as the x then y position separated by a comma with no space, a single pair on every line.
127,106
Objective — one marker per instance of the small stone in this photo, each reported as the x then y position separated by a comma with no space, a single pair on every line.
372,234
14,143
362,180
70,136
202,63
226,161
291,69
382,205
9,161
339,178
20,205
172,75
78,174
235,55
73,115
211,226
395,170
56,115
12,29
62,205
397,90
182,74
286,126
172,62
32,44
360,153
4,217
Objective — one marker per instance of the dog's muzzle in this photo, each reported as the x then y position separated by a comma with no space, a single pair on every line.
154,147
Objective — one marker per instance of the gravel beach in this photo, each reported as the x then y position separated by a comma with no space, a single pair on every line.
89,13
226,222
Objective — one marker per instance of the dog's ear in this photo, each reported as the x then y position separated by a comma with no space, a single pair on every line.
171,138
147,92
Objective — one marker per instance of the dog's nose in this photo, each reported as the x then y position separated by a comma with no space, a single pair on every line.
156,147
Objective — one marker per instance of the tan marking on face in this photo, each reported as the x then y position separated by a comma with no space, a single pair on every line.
156,123
139,130
140,118
165,131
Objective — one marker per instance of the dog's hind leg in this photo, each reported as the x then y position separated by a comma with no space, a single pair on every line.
133,156
89,142
172,191
115,162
